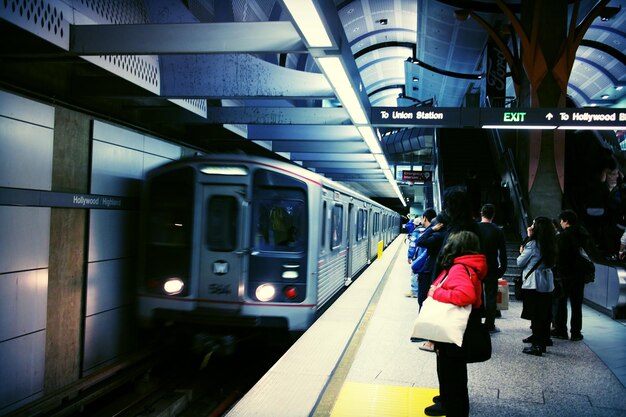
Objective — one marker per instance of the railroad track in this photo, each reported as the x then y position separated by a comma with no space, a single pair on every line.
161,383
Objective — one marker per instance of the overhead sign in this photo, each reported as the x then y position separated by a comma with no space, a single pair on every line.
417,176
594,118
501,118
416,116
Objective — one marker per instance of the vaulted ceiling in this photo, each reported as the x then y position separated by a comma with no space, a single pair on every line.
210,73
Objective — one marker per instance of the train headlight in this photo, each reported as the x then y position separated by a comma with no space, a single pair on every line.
265,292
173,286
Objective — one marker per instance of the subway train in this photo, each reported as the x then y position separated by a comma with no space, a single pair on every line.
239,241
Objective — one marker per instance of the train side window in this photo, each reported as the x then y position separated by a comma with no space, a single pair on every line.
323,243
360,225
336,228
376,220
364,234
222,223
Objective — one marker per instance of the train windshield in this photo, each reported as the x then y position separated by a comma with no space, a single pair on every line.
280,222
169,225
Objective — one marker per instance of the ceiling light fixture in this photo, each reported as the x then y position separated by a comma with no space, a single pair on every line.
382,160
309,22
370,139
338,78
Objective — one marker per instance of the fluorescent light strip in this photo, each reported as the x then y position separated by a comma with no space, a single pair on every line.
382,161
394,185
336,74
592,127
398,192
370,138
309,22
520,127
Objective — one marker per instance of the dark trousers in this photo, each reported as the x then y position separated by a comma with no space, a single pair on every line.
537,307
452,375
423,285
490,286
574,291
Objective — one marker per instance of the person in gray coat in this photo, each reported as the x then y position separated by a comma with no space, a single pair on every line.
537,258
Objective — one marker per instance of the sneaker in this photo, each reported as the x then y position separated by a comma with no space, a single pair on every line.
417,339
436,409
427,346
576,337
410,295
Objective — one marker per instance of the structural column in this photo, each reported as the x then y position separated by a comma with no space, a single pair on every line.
68,248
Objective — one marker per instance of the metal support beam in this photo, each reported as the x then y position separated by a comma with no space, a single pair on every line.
184,38
237,76
320,147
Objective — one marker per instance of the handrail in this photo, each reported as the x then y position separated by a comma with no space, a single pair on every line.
508,173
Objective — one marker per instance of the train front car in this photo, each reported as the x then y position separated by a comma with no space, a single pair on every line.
226,244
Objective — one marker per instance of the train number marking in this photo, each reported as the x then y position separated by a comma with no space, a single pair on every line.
219,289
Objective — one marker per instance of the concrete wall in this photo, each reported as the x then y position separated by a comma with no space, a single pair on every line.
67,274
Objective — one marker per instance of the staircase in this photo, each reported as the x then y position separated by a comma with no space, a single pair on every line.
512,252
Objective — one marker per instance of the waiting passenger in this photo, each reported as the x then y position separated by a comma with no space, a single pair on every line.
413,227
494,247
464,268
537,258
431,241
570,241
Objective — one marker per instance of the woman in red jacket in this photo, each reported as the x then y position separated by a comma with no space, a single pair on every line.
465,269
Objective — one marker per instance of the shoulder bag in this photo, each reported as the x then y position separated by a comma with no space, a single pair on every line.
518,281
441,322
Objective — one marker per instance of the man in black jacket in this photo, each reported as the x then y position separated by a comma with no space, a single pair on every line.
570,241
494,248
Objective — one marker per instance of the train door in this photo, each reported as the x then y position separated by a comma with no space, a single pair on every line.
279,239
223,258
349,243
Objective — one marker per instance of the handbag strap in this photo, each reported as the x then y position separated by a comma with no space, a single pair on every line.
448,271
533,268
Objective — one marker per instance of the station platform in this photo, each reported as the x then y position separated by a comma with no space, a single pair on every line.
358,360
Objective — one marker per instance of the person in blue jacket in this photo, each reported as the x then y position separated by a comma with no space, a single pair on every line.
413,230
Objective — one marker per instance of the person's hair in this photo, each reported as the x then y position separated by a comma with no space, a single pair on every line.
457,205
458,244
544,233
430,214
569,216
488,211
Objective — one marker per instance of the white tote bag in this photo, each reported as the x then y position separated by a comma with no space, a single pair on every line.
441,322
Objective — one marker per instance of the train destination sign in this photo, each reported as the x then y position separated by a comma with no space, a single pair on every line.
501,118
